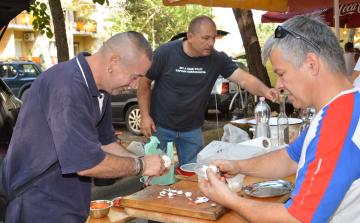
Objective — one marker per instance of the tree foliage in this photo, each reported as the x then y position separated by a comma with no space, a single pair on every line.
41,19
137,15
264,30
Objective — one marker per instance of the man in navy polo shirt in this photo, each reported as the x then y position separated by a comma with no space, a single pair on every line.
66,120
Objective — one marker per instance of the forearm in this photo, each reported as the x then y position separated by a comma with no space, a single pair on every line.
143,95
117,150
112,167
254,85
353,76
248,82
273,165
258,211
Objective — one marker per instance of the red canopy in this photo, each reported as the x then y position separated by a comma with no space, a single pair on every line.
349,15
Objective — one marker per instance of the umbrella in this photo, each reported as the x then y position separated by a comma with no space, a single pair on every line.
269,5
349,15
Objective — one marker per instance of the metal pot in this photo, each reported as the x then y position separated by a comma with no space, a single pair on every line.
186,169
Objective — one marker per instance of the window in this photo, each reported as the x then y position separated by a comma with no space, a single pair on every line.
3,71
53,49
13,71
29,69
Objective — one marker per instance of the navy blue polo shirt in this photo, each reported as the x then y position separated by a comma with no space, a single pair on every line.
59,122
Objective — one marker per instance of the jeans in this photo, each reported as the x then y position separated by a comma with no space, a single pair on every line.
188,144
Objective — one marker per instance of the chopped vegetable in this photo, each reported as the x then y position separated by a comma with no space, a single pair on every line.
98,205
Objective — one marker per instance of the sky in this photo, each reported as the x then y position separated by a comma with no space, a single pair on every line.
232,43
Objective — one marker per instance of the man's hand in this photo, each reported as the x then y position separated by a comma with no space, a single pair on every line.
215,189
146,124
155,166
230,168
271,94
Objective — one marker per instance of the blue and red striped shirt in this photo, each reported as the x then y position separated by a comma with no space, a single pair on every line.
327,184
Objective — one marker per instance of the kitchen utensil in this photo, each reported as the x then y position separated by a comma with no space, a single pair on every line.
186,169
147,199
269,188
100,213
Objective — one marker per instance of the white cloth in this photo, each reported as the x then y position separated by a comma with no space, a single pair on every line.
357,80
349,63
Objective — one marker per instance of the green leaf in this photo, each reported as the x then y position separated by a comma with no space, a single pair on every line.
43,6
47,22
36,26
42,32
49,35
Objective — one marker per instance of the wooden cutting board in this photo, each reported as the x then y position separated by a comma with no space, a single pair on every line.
191,178
147,199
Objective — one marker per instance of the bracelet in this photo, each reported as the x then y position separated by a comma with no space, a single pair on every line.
143,166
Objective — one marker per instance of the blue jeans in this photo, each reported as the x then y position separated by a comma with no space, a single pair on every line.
188,144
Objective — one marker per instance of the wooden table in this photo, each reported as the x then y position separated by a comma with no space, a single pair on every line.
118,215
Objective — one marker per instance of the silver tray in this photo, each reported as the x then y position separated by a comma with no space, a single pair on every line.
269,188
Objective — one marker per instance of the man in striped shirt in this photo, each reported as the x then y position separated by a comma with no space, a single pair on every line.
309,62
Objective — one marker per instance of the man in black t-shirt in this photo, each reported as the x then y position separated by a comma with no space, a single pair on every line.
184,72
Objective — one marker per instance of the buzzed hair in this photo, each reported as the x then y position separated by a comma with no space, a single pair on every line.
196,23
130,45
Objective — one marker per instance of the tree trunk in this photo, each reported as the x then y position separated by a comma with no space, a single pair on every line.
351,35
251,44
59,30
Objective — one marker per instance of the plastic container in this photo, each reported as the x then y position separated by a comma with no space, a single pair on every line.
262,116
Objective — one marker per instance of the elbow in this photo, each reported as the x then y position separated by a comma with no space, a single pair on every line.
83,173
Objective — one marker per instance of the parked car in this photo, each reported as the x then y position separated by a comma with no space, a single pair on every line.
125,108
19,75
224,90
9,111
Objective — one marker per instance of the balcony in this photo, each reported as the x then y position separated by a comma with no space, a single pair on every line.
86,25
23,20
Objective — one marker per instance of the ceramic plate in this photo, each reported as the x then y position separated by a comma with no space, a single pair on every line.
270,188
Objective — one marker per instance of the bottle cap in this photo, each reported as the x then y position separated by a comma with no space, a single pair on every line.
262,98
282,97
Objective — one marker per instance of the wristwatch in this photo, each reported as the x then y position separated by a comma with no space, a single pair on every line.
140,165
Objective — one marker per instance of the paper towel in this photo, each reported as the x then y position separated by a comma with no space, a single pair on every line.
261,142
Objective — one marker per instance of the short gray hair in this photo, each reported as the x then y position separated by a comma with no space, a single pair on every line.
295,50
195,24
130,45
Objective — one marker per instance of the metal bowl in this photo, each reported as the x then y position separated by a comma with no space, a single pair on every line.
100,213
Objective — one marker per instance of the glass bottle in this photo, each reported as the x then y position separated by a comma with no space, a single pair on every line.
262,116
283,124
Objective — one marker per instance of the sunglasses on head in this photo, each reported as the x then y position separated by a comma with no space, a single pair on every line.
281,32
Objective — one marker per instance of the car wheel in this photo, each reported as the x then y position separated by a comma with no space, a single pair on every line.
132,120
22,98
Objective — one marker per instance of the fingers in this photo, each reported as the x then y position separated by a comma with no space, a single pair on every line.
153,127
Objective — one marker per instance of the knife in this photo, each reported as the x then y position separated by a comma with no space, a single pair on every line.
146,184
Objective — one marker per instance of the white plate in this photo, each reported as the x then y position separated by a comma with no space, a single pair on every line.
273,121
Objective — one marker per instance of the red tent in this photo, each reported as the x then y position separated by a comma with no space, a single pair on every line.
349,15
